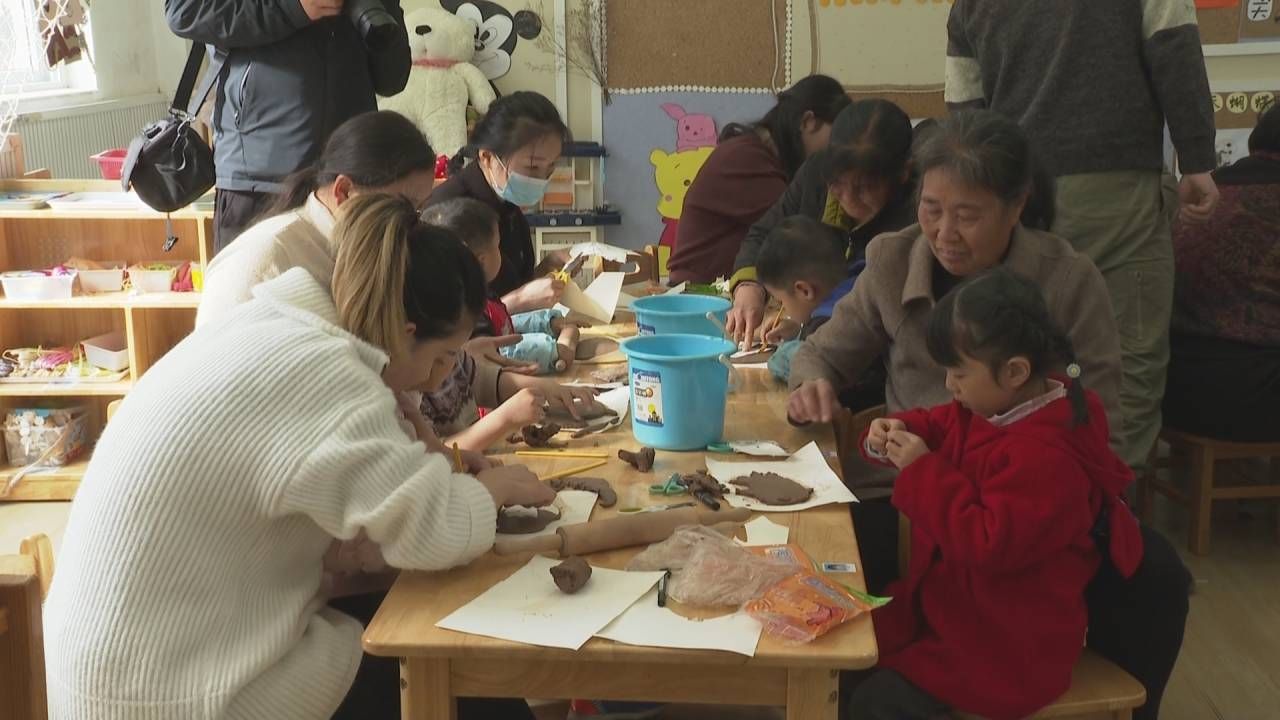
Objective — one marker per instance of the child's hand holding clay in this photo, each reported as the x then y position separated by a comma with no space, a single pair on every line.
879,433
904,448
527,407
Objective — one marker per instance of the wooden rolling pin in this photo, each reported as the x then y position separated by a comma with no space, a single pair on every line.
619,532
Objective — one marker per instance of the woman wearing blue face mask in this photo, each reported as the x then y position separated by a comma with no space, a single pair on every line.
512,153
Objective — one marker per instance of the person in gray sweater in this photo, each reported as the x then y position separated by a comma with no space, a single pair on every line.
1094,84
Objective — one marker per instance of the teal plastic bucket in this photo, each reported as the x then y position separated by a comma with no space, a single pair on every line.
678,388
680,314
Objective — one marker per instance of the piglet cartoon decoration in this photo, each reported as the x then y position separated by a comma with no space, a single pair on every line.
692,131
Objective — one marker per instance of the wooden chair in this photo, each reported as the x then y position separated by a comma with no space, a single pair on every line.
1202,454
1099,689
661,254
24,581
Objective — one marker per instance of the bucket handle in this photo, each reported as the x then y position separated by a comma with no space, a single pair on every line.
733,375
719,325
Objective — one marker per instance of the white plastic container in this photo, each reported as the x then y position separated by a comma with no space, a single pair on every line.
152,281
109,352
110,279
36,286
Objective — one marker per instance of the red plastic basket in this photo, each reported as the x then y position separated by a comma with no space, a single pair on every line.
110,162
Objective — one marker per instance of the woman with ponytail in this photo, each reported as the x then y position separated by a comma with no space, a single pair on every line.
507,164
379,152
747,173
1008,489
194,555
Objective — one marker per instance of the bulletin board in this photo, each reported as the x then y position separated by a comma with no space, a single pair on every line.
1240,110
697,45
1230,21
1261,19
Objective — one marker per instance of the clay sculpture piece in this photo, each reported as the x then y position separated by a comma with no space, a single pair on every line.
772,488
618,373
641,459
539,435
599,486
594,347
701,481
571,575
524,523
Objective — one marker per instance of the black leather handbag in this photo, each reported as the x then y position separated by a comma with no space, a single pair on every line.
169,165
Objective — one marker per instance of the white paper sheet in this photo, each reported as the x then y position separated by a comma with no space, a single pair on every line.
760,448
598,301
575,507
604,250
644,623
763,531
528,607
807,467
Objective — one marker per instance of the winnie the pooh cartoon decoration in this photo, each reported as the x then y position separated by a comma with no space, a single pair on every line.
442,80
674,173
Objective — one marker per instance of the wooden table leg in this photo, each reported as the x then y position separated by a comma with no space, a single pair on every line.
813,694
424,690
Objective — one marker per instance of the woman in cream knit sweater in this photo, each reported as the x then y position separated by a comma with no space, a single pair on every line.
188,584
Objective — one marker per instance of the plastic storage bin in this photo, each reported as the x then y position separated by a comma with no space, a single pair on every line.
108,279
31,286
146,280
50,436
109,352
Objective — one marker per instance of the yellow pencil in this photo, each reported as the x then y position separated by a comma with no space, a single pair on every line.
457,458
558,453
776,319
574,470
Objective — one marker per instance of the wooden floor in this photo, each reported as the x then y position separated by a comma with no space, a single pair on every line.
1229,668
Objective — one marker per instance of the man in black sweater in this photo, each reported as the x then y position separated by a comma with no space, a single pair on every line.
1094,84
294,70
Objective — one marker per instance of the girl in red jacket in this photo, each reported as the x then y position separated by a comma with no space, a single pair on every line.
1013,496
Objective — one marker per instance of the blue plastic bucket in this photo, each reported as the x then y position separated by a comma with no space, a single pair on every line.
678,388
676,314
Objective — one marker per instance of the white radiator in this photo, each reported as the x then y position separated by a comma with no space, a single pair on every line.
63,141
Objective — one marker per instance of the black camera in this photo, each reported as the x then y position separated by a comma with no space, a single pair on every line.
376,26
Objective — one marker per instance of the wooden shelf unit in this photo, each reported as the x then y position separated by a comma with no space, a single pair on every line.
152,323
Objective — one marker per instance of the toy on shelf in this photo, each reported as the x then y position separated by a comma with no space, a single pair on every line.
52,365
45,436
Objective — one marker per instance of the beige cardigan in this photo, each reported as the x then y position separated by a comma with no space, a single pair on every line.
298,238
887,314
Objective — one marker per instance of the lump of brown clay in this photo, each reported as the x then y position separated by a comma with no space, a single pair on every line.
772,488
599,486
593,347
609,375
701,481
539,435
571,575
641,459
588,411
510,523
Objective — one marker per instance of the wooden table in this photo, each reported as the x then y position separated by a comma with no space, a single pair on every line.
439,665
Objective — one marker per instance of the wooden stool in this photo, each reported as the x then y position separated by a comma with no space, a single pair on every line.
1203,453
24,581
1099,689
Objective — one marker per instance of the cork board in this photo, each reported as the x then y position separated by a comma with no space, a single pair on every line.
696,44
1261,19
1240,110
917,102
1219,25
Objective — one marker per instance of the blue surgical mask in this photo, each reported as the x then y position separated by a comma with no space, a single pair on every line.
523,190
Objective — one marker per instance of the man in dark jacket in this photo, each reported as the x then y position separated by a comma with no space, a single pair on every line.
294,70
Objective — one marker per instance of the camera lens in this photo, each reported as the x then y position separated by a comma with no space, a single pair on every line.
376,26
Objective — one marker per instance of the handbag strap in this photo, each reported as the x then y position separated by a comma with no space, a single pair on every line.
183,100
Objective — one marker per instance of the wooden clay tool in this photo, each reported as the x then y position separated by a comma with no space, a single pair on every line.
618,532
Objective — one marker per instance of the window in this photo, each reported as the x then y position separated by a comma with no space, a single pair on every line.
24,68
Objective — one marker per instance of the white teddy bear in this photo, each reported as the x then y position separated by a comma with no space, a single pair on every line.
442,80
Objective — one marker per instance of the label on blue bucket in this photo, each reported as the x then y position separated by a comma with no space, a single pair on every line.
646,391
643,329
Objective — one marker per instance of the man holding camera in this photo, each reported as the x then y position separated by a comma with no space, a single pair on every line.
293,71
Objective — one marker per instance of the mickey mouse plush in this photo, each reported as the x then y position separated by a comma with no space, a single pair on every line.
497,32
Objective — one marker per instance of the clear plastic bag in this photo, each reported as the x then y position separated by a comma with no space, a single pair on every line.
710,569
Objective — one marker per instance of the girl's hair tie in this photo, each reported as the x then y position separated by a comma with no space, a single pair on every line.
1073,371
